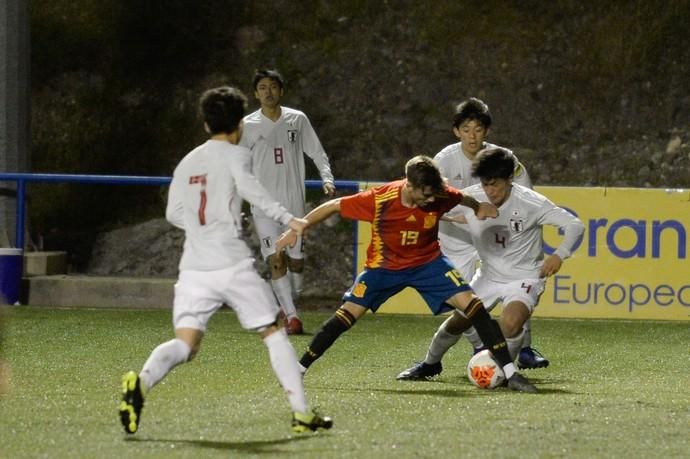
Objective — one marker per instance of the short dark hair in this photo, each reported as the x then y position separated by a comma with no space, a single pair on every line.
222,109
494,163
472,109
422,171
266,73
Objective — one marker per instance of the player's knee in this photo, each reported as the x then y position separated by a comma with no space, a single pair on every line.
511,327
456,324
193,352
278,264
296,265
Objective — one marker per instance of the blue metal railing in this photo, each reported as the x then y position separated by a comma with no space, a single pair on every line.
23,178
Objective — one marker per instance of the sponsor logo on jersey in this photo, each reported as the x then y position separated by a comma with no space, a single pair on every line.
411,219
266,242
429,221
292,135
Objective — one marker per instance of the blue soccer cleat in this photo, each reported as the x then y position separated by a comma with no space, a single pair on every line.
530,358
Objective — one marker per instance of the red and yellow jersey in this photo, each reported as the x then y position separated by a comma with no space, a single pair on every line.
401,237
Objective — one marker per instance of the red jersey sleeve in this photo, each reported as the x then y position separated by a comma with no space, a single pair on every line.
359,206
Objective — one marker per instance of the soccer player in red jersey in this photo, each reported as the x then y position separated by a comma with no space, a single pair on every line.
404,252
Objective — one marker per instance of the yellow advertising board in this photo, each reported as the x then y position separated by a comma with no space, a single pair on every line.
632,262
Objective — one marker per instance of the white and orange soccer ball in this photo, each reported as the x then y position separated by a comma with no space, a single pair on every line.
484,371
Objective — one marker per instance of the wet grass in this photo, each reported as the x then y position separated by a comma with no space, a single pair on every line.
614,389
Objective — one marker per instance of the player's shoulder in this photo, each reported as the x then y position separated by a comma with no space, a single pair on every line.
253,117
386,191
528,196
393,185
447,152
292,113
473,189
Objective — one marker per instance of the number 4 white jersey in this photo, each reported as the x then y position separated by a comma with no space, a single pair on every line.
205,200
278,150
510,246
457,168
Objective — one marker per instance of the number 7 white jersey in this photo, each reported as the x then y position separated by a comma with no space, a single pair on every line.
205,200
278,150
510,246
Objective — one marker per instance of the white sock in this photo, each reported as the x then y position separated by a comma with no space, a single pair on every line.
286,367
509,370
515,344
527,340
441,342
162,360
473,337
296,281
283,291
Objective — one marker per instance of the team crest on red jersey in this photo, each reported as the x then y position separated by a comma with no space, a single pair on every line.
429,221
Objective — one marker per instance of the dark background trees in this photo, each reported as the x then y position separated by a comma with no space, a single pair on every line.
587,93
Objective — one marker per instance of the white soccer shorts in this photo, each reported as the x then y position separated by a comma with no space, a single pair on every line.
526,291
199,294
268,231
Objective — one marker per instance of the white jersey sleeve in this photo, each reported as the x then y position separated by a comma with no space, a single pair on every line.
510,246
311,146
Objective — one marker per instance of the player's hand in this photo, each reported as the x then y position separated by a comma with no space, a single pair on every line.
551,266
486,210
329,189
298,225
287,239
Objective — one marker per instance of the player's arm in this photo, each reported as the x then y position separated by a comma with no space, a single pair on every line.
482,210
314,217
573,229
455,218
312,147
323,211
174,211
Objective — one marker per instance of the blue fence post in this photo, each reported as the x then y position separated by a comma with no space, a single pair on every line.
21,211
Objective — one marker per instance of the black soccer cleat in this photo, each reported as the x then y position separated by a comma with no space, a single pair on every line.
132,402
421,372
530,358
301,422
519,383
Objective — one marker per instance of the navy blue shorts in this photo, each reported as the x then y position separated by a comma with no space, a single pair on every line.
435,281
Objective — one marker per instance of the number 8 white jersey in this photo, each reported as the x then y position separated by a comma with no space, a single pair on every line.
278,150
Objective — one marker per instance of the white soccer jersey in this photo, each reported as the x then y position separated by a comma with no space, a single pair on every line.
510,246
455,242
278,150
457,167
205,200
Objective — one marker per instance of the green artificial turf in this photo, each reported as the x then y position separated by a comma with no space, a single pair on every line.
614,389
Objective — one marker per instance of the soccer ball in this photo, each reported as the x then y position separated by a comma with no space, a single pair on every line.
484,371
